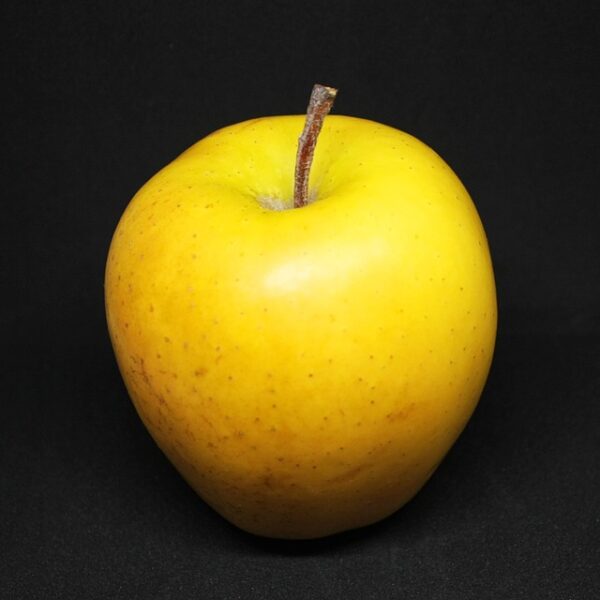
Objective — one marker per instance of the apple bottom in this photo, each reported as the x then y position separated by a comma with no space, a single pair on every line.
265,509
298,503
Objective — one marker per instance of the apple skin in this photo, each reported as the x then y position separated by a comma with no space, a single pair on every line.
305,370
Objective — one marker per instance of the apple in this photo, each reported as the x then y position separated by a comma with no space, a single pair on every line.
305,355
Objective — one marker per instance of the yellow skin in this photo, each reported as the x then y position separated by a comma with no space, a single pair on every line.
305,370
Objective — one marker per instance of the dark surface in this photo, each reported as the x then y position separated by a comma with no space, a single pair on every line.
97,99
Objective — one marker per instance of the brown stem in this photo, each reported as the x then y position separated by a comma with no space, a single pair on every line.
321,101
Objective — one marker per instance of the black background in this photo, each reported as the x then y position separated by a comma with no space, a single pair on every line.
96,97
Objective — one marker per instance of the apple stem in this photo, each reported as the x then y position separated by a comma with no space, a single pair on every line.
321,101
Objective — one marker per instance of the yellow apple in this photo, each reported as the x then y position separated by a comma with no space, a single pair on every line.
305,369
